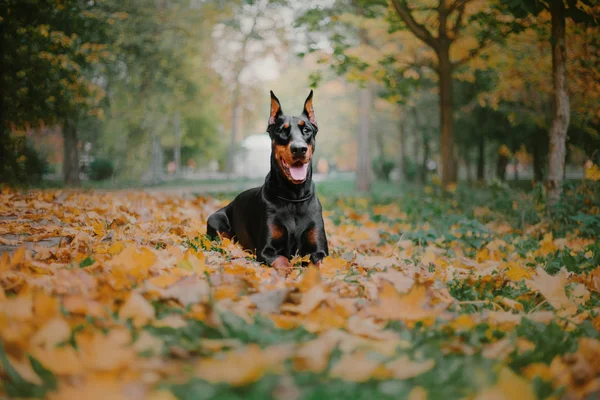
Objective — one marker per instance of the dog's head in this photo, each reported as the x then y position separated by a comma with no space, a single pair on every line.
293,139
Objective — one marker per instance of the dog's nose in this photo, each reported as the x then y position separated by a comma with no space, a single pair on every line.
298,149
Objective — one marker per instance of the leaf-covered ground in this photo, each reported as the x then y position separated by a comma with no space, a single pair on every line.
472,295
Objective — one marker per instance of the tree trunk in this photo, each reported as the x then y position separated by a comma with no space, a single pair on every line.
538,164
177,150
468,164
481,159
446,119
156,164
425,158
70,153
560,117
234,123
363,168
501,167
401,159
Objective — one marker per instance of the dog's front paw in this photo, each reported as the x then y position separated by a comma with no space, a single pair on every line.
282,265
317,258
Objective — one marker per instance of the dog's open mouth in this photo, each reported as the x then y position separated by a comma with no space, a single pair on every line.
297,171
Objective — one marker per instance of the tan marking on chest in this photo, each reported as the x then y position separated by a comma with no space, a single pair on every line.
312,236
276,231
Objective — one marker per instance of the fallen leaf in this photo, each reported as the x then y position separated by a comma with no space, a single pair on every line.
187,291
106,352
310,301
368,328
508,387
52,333
412,306
237,367
553,289
269,301
138,309
355,367
404,368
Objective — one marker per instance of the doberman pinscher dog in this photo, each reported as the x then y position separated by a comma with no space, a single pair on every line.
283,217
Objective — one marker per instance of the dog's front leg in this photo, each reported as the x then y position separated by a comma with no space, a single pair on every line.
315,243
269,256
273,249
280,263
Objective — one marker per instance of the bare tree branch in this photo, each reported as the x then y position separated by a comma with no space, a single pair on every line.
458,23
404,12
457,5
484,42
443,16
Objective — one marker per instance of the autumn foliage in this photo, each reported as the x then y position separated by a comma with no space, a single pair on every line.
120,295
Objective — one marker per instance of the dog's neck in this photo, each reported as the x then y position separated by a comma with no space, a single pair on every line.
278,186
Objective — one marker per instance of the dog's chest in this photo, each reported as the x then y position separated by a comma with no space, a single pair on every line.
295,222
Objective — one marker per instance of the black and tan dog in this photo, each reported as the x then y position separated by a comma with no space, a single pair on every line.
282,217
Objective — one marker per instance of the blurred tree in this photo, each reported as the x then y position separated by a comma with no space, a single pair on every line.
452,34
346,25
253,31
461,30
161,69
579,11
47,49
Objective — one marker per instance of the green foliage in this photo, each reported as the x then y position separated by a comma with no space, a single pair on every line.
550,340
86,262
575,210
101,169
47,48
383,167
261,331
199,389
16,386
20,163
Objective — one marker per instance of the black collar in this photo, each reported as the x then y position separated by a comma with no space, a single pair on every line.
300,200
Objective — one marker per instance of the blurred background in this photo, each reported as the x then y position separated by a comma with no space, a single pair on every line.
175,93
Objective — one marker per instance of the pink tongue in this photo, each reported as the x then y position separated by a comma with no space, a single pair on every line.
298,173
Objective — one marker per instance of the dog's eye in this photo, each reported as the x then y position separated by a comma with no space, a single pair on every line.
306,130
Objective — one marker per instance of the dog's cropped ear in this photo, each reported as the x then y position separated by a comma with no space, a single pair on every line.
275,109
308,109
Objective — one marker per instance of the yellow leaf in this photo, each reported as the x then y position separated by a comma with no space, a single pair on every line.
133,262
18,308
516,273
547,246
368,328
314,355
53,332
331,267
236,367
116,248
508,387
98,228
310,278
413,306
60,360
417,393
138,309
356,367
463,323
404,368
163,281
553,289
310,301
106,352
